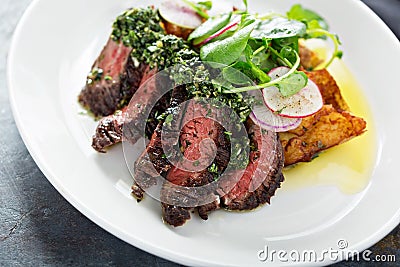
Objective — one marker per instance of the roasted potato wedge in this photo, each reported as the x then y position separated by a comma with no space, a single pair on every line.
329,89
308,58
331,126
327,128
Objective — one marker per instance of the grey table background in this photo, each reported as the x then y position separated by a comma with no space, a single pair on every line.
39,227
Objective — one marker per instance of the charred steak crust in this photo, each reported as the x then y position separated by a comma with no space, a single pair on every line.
190,181
116,73
197,128
174,215
110,129
260,196
131,80
206,209
154,148
152,162
264,168
159,108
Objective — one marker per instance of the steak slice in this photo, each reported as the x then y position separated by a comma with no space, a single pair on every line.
176,215
110,129
263,174
152,162
255,186
113,80
261,178
198,154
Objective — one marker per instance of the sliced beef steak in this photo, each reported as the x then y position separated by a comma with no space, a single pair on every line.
110,129
152,162
114,79
254,187
263,174
176,215
203,162
195,137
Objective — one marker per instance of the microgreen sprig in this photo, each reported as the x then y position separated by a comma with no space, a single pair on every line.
268,84
285,60
336,52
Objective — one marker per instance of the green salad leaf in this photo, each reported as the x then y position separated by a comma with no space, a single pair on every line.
208,28
246,4
228,50
292,84
298,12
255,72
288,84
207,5
236,75
257,44
278,28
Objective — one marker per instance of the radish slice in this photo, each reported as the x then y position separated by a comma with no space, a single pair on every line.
277,72
219,33
265,118
179,13
220,7
305,103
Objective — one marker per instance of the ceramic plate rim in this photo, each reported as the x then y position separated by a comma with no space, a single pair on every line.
142,244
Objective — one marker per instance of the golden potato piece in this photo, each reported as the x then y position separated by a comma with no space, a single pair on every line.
308,58
327,128
326,83
330,126
329,89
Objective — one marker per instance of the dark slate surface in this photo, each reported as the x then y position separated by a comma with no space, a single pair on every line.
38,227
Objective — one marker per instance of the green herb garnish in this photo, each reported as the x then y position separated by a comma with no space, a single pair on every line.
258,44
138,28
278,27
317,27
227,51
169,119
213,168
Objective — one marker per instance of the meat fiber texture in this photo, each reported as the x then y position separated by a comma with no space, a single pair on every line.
152,163
139,116
198,153
114,86
246,189
262,176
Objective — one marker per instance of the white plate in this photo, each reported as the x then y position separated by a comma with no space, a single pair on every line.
53,49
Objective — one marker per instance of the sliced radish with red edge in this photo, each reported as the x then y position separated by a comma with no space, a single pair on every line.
219,33
305,103
179,13
265,118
